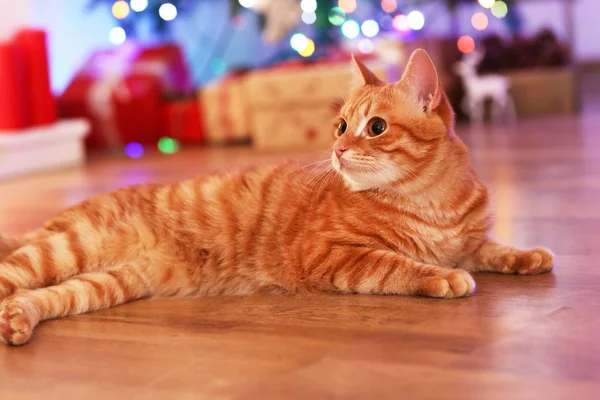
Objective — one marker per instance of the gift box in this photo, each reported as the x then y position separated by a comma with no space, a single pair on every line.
224,108
182,121
293,107
121,92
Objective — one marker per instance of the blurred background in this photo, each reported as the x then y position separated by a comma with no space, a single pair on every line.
131,78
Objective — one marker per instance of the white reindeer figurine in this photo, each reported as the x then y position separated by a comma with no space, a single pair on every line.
479,88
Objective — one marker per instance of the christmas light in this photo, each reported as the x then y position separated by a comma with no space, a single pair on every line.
400,22
120,9
416,20
218,66
350,29
487,3
479,21
466,44
337,16
117,36
309,18
168,146
389,6
168,12
500,9
238,22
308,6
347,6
298,41
308,50
138,5
134,150
247,3
366,46
370,28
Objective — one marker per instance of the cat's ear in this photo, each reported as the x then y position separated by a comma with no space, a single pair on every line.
420,78
368,77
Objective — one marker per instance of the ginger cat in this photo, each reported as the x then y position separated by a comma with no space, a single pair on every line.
401,212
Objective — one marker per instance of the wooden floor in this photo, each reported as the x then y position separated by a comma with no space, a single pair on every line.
518,337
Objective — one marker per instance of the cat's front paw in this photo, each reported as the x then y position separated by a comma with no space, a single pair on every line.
451,284
17,321
527,262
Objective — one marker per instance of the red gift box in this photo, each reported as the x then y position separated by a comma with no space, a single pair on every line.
182,120
121,91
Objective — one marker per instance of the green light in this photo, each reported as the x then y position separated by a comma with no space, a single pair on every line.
500,9
337,16
168,146
218,66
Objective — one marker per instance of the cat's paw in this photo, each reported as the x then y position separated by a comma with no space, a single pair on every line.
451,284
17,321
527,262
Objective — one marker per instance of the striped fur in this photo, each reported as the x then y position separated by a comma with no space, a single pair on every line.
402,213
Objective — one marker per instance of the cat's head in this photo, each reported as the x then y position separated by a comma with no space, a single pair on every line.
387,134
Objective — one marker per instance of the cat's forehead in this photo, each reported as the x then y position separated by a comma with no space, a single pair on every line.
377,100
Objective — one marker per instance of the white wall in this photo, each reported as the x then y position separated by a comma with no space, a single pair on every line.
13,14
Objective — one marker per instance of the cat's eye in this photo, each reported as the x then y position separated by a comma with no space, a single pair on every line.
376,127
342,127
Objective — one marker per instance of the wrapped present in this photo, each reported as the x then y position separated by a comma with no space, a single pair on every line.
293,106
182,121
121,92
224,110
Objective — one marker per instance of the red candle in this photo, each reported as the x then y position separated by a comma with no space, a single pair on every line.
13,115
43,109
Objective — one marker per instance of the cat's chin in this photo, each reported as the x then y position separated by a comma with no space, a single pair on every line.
358,180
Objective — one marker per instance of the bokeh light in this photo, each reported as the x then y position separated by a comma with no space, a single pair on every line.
366,46
247,3
308,6
401,23
479,21
120,9
416,20
350,29
500,9
298,41
389,6
168,145
466,44
134,150
167,11
337,16
138,5
370,28
487,3
309,18
117,35
347,6
308,50
238,22
218,66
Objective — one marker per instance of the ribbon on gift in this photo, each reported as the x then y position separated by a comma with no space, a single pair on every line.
109,71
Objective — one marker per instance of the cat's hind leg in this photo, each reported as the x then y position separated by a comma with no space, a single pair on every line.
48,260
24,310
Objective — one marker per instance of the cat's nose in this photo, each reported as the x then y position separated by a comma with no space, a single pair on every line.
339,150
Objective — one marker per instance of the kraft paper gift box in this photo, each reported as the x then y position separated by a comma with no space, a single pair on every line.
293,107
